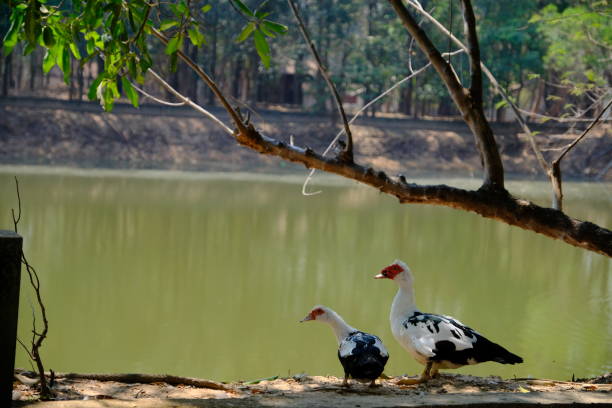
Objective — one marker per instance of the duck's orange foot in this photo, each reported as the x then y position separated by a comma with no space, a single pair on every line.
411,381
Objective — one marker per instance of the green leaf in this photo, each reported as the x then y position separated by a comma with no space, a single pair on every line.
196,37
132,67
267,32
12,36
49,60
166,24
242,7
75,50
535,18
261,45
107,94
64,64
130,92
112,85
182,8
48,37
590,75
145,62
206,8
28,49
246,32
173,44
501,104
173,62
131,20
279,28
93,88
90,46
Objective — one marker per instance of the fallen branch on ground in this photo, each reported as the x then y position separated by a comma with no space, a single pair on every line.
130,378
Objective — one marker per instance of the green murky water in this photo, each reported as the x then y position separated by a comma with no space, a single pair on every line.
207,276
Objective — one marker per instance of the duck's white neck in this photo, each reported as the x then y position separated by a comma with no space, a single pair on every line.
403,304
339,326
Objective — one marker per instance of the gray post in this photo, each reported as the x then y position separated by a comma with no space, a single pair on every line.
10,274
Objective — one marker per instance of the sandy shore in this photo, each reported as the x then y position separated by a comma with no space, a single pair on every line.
318,391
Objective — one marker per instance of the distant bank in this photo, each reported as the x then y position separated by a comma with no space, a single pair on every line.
80,134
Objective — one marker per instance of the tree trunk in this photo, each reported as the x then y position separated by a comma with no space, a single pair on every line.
80,81
212,67
10,275
7,75
33,70
192,91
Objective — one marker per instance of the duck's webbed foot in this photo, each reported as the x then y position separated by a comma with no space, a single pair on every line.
374,385
425,376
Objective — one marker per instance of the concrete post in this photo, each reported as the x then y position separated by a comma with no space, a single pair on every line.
10,276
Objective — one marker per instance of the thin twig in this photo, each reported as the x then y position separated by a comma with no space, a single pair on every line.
16,219
144,23
474,52
25,348
587,130
155,99
573,119
190,102
37,338
348,151
250,109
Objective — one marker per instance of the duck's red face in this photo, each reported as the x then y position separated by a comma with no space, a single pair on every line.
390,272
313,314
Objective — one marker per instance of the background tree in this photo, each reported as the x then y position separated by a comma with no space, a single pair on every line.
132,37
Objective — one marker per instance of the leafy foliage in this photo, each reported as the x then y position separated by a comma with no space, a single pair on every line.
260,28
523,42
118,31
579,40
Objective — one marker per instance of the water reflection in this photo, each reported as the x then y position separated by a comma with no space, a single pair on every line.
207,277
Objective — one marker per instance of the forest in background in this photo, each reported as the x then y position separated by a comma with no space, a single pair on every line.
551,57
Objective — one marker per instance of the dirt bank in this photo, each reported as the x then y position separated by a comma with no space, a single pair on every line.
79,134
316,391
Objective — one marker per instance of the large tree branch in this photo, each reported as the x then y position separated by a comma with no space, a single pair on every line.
442,67
550,172
495,204
471,110
470,31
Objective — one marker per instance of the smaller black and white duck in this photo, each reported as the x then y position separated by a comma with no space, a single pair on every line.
363,356
436,341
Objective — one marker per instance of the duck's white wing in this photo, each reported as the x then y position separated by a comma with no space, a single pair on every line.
426,331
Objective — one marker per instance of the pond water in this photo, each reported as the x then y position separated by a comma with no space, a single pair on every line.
208,275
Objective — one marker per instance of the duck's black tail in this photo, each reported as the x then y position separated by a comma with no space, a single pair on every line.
501,355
